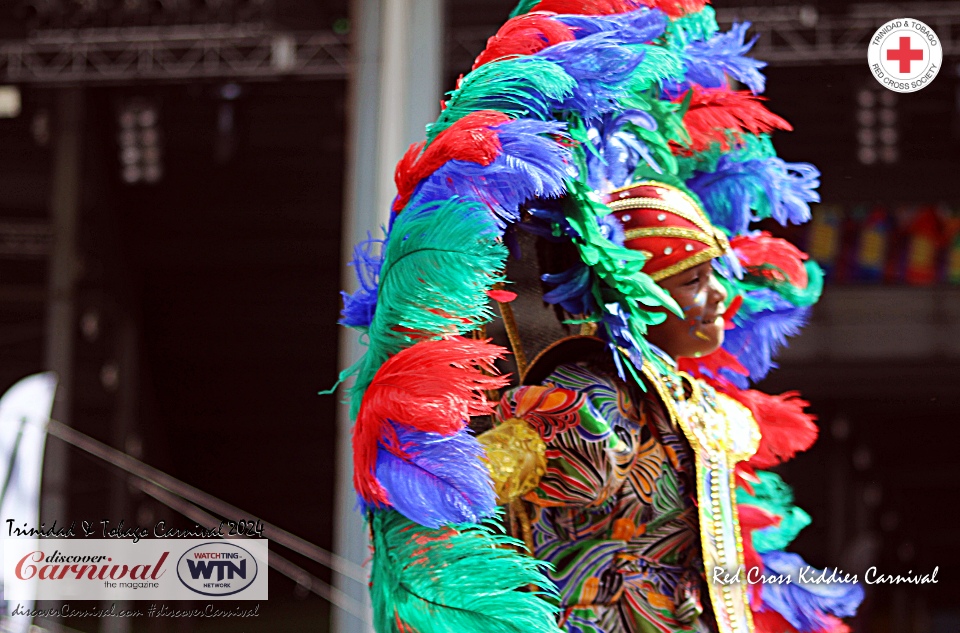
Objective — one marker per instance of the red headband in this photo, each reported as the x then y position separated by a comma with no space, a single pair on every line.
668,225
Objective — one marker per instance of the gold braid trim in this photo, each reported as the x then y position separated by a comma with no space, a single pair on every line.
513,334
690,215
669,231
690,262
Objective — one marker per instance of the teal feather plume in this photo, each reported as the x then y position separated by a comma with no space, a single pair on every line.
759,302
692,27
659,65
464,579
523,87
748,147
440,260
776,497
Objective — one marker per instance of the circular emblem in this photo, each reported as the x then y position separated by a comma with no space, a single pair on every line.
905,55
217,569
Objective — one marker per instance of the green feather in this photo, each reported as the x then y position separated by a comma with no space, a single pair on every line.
804,296
524,6
692,27
800,297
519,87
747,147
659,64
776,497
462,579
440,260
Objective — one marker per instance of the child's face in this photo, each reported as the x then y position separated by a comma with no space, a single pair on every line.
700,331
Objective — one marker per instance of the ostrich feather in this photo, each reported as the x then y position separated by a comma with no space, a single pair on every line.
438,264
434,386
709,63
435,479
466,578
532,163
805,605
359,307
524,35
720,115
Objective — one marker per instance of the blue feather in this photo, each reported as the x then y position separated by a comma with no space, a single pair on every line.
529,166
710,62
616,331
634,27
758,337
618,151
572,291
739,192
600,64
804,604
359,307
443,481
548,221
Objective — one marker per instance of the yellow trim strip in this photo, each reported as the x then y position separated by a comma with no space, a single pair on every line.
690,262
661,205
669,231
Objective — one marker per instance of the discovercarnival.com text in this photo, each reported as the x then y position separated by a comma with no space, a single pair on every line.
154,611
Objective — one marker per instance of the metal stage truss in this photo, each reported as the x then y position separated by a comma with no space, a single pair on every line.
172,53
252,51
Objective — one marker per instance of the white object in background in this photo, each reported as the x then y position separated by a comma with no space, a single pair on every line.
24,412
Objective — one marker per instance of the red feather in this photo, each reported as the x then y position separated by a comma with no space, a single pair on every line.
708,367
677,8
590,7
524,35
754,518
785,428
716,114
469,139
771,621
502,296
775,258
833,625
433,386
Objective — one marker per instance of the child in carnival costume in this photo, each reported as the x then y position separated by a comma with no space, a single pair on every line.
610,129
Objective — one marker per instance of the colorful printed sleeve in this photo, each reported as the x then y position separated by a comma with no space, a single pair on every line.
582,418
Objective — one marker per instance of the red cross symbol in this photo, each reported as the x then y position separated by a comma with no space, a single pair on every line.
905,54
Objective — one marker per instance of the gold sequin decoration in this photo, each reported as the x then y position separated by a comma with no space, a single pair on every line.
516,457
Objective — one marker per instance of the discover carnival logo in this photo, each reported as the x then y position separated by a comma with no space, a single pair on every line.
150,569
905,55
217,569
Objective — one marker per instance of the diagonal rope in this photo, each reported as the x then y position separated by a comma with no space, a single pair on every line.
203,499
297,574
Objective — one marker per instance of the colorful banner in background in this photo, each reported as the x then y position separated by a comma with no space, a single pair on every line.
876,244
24,411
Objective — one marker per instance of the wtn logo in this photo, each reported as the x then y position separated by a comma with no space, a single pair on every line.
217,569
225,569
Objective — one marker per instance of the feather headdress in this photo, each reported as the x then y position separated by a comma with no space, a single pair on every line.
569,100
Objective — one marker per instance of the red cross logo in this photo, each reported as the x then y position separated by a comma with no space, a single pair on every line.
905,54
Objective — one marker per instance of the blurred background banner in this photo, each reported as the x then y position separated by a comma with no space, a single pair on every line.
24,412
181,185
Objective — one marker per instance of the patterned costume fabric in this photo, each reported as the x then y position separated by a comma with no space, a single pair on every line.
616,511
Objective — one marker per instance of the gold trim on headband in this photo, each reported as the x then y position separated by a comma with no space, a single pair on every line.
690,262
661,205
669,231
675,190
